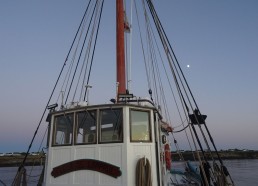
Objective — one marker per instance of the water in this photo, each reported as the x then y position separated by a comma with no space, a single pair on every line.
243,172
7,175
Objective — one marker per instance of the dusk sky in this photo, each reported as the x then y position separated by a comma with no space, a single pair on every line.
217,39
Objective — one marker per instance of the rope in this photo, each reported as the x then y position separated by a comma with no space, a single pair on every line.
80,55
166,47
87,51
96,38
41,178
182,86
2,183
79,28
20,177
143,173
155,70
143,51
39,159
36,131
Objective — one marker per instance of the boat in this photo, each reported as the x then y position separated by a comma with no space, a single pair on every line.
128,139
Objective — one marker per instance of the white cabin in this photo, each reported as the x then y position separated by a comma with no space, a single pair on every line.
102,144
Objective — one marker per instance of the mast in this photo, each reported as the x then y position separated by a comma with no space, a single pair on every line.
120,58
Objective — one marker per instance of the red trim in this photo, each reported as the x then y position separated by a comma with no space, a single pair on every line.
87,164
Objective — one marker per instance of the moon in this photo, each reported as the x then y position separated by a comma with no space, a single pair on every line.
188,66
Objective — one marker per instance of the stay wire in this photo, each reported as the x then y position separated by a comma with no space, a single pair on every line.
165,40
170,86
181,97
84,66
40,146
80,55
154,65
69,71
207,130
96,38
160,83
186,83
178,148
181,72
168,79
87,50
143,51
151,54
154,68
79,28
90,57
161,33
40,121
86,58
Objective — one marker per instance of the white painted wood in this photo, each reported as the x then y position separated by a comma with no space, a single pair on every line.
124,155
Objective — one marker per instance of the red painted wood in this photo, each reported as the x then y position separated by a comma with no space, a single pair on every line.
120,48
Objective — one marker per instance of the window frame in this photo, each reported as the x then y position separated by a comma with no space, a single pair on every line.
100,141
75,114
76,127
54,132
149,125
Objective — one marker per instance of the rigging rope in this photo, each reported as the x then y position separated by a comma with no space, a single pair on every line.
142,46
88,50
96,37
182,85
80,54
175,62
2,182
151,67
173,68
41,119
155,70
66,59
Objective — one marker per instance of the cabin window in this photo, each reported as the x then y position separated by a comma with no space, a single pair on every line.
111,125
63,129
86,127
140,126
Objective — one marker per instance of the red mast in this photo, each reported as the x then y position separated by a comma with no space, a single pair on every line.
120,58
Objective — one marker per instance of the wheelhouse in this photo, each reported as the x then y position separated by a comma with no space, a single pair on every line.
115,134
104,124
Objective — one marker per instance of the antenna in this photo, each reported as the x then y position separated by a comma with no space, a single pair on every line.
62,99
88,91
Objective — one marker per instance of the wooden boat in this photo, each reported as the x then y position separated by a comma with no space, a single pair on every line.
127,141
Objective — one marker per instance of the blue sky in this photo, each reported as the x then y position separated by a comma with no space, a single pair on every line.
218,39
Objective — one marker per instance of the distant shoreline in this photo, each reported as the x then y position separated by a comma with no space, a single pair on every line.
15,161
225,155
